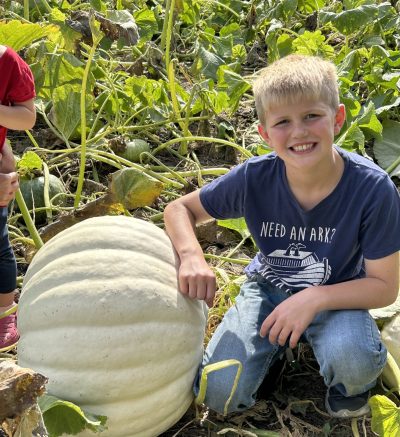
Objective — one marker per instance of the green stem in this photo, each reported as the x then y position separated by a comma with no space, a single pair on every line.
78,193
241,261
26,9
245,152
34,142
393,165
46,196
28,220
165,24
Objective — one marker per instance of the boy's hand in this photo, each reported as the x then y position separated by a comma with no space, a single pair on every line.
196,279
290,319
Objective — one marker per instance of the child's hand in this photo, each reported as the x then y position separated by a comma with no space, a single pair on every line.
196,279
8,186
290,319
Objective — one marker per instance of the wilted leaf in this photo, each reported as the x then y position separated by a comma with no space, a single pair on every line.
134,188
387,149
385,416
29,161
63,417
20,35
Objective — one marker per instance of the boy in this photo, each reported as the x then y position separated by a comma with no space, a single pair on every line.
326,223
17,111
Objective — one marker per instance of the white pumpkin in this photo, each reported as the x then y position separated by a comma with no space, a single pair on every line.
101,317
391,337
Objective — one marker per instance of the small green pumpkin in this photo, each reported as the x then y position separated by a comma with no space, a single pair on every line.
32,191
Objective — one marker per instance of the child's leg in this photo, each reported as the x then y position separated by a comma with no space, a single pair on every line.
238,337
348,348
351,356
8,274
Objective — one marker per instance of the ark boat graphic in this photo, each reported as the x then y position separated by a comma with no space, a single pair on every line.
295,267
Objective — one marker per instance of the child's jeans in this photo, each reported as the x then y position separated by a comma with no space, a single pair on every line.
8,266
346,344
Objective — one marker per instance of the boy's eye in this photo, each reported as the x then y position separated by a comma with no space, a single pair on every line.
281,122
308,116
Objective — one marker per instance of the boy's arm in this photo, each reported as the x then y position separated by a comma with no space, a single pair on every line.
378,289
8,177
21,116
195,277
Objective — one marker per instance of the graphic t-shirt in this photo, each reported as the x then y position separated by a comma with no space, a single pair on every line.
325,245
16,84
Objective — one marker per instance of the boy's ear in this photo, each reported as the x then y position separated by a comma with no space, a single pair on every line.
340,118
263,133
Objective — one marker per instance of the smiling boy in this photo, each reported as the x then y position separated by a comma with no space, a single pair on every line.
326,224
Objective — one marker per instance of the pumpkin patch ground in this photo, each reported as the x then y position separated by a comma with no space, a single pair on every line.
172,80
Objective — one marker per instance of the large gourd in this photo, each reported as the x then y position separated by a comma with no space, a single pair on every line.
101,317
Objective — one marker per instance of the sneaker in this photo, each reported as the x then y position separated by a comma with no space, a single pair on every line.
8,332
341,406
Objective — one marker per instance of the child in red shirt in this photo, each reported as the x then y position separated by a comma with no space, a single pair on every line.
17,112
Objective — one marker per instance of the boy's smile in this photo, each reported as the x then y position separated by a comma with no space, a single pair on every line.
302,133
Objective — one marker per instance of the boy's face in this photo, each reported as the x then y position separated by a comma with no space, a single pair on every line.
302,133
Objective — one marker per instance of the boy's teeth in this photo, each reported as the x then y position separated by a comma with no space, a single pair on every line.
302,147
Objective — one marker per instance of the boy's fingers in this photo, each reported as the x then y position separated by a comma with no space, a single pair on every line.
294,339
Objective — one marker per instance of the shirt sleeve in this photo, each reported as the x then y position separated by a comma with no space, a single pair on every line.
224,197
23,85
379,230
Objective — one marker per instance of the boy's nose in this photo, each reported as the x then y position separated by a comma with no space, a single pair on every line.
299,130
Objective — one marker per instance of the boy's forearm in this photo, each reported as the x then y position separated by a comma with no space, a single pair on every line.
364,293
17,117
180,225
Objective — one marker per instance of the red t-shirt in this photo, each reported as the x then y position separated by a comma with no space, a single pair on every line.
16,83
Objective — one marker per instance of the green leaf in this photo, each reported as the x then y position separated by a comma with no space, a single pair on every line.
207,63
351,20
63,417
66,112
387,149
312,43
369,122
352,138
238,225
309,6
233,84
385,416
20,35
147,24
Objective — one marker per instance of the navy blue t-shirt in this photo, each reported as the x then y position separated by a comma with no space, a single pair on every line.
325,245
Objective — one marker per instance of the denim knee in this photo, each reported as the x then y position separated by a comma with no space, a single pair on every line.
351,353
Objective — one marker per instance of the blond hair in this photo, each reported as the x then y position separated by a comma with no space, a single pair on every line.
295,78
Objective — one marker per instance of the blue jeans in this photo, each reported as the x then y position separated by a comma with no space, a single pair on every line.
8,265
346,344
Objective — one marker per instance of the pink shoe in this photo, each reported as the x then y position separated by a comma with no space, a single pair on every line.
9,335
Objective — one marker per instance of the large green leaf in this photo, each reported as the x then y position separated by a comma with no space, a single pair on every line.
20,35
233,84
385,416
352,20
66,113
238,225
387,149
63,417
